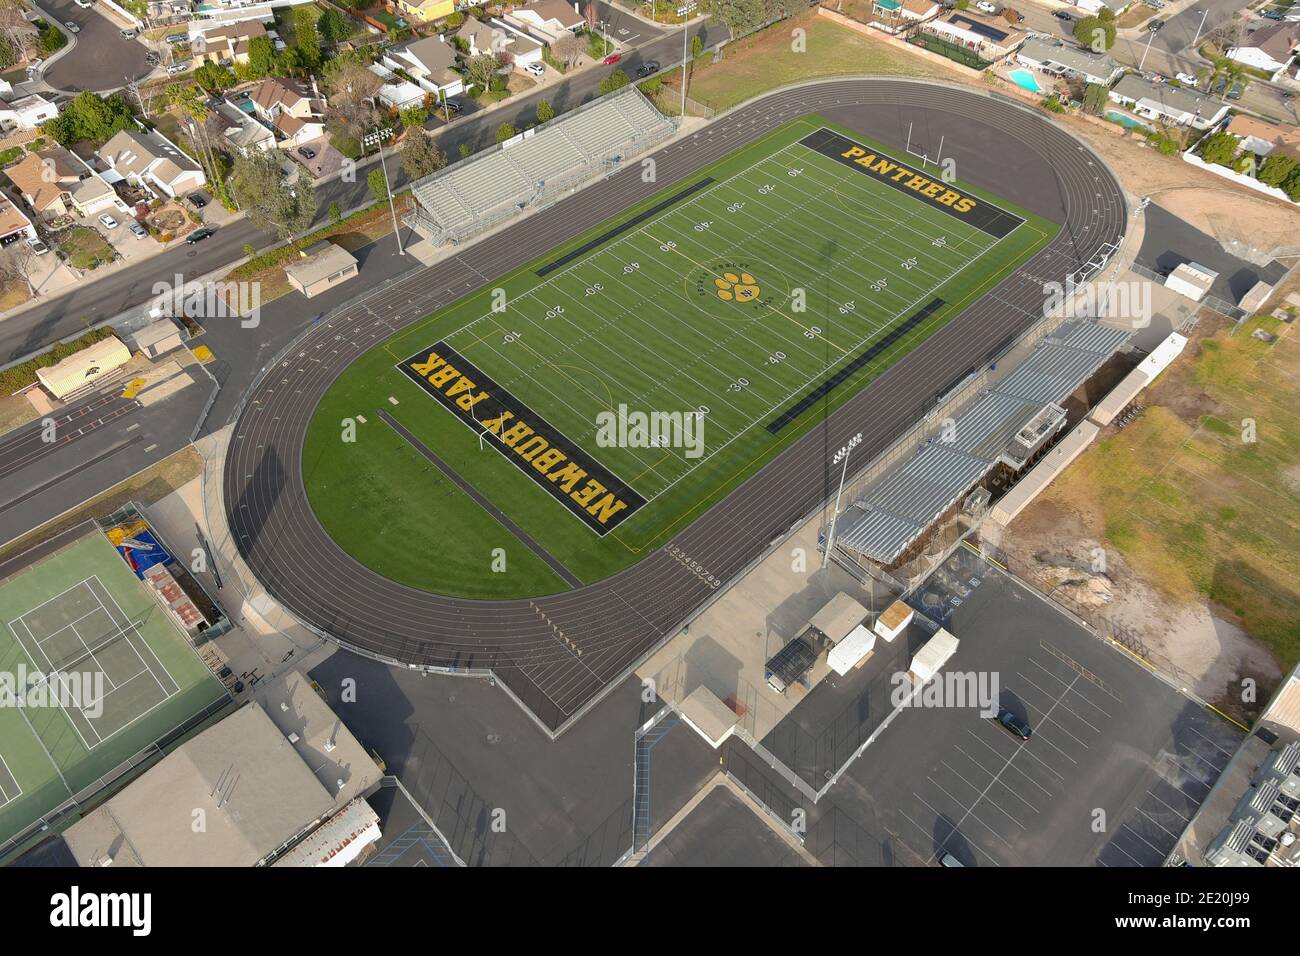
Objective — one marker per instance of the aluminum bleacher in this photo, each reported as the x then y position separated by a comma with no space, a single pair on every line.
535,167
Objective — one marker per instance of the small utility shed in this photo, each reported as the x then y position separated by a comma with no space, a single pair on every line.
157,338
929,660
324,266
1192,280
837,618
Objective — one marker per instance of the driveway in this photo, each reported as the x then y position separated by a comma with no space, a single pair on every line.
102,60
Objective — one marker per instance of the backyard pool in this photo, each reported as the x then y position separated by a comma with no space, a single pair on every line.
1025,80
1123,119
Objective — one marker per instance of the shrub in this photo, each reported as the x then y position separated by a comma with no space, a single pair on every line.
21,376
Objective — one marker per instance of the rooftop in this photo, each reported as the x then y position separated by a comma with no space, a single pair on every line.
1170,99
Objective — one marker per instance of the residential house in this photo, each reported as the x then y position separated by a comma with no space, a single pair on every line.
55,182
27,112
546,20
13,224
897,16
227,44
1263,138
1095,6
291,109
424,11
989,39
150,161
1067,59
521,48
430,63
1269,48
1176,106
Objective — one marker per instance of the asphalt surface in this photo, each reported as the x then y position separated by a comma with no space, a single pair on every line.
96,302
613,623
102,60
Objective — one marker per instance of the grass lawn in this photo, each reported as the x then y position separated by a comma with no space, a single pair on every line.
766,60
845,273
85,248
1197,511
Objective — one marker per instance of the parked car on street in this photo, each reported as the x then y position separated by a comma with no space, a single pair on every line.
612,58
198,235
72,27
645,69
126,34
1062,15
1185,78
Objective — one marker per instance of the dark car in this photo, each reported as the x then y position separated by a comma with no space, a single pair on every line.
1271,15
306,152
645,69
1062,15
197,200
1012,724
198,235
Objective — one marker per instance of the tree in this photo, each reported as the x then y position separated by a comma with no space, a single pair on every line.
741,16
271,203
1220,148
1277,169
545,111
305,38
505,131
17,261
332,26
466,150
378,186
567,49
261,58
697,46
615,81
352,89
413,117
480,70
91,117
419,156
335,213
214,77
1096,33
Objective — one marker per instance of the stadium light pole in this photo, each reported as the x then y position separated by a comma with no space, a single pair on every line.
1151,35
841,455
377,139
685,11
1200,28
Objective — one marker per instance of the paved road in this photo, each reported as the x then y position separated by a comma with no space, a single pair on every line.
102,60
614,622
96,302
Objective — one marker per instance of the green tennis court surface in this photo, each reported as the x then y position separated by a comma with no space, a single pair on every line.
101,673
738,305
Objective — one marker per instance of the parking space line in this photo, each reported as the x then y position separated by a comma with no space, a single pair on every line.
1143,839
1175,810
930,836
1226,753
1156,822
1048,694
957,827
970,813
1008,788
1083,697
1112,843
990,773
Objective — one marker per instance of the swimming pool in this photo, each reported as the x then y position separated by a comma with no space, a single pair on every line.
1025,80
1123,119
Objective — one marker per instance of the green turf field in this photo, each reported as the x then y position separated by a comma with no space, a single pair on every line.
727,303
82,612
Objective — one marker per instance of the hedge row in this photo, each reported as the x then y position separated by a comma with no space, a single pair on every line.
283,254
20,376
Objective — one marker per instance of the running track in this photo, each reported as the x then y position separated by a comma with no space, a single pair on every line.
611,625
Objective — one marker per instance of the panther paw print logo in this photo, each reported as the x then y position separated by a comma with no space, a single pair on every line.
739,288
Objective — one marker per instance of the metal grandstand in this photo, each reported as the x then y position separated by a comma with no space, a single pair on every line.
535,167
1006,423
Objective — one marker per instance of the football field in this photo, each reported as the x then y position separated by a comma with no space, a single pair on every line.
632,377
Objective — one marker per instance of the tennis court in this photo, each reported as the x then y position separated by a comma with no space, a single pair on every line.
97,672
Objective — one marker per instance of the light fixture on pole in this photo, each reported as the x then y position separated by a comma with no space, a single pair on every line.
840,456
685,11
377,139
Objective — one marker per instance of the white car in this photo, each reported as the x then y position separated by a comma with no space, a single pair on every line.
84,4
985,6
1186,78
39,248
72,27
107,221
536,69
177,68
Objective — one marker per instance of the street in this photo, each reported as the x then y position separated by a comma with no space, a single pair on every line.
98,301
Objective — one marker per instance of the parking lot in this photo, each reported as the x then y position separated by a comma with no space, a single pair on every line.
1117,762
